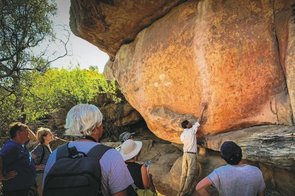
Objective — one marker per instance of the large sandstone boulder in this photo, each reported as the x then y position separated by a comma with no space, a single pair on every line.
170,56
209,51
235,55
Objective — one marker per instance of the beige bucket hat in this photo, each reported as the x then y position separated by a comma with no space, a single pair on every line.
130,149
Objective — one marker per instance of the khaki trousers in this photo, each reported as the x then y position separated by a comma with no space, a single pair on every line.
188,173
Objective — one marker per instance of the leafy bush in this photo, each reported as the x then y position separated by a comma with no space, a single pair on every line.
46,93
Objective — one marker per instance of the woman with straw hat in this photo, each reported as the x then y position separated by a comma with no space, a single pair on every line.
129,151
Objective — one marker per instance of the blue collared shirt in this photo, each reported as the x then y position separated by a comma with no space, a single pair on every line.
17,158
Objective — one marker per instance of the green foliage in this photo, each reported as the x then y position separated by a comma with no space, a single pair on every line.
60,88
24,25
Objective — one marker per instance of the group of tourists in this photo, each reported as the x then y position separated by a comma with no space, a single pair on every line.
87,167
21,172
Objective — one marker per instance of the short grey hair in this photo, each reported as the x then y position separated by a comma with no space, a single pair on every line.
82,119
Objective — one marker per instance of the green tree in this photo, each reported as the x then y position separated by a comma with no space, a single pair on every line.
61,89
25,24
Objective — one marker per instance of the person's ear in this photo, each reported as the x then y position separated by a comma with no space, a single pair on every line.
100,128
99,131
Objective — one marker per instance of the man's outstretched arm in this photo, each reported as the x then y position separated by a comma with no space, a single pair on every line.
204,106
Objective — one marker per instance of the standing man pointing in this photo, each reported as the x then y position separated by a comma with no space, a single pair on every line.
189,159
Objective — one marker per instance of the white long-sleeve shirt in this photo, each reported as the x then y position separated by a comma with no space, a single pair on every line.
189,139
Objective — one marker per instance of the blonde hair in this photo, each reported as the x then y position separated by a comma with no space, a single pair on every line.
82,119
41,133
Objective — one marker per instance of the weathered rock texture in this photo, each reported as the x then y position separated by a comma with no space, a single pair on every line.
271,148
110,23
273,145
121,114
285,29
209,51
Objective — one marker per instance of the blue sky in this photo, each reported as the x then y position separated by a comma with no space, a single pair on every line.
82,52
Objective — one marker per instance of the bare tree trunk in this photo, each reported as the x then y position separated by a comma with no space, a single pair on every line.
19,105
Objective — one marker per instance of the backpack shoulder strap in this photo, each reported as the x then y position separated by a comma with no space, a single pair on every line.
62,151
98,151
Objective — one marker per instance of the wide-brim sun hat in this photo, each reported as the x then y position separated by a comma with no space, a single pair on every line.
130,149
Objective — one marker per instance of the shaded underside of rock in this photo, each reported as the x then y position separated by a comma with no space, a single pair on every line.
121,114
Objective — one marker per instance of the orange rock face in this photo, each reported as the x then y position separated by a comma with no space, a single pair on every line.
285,28
225,53
211,52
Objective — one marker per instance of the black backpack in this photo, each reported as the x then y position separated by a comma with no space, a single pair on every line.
75,173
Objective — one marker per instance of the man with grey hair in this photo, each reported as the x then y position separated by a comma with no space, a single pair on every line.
86,120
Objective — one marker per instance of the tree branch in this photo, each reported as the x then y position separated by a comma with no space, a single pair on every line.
64,43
